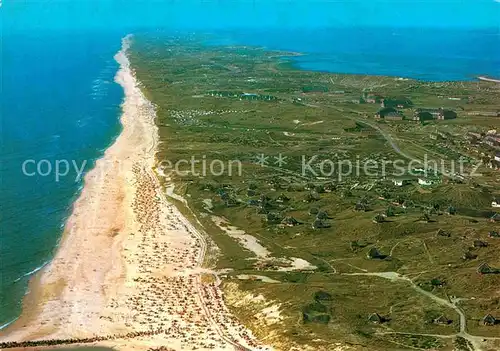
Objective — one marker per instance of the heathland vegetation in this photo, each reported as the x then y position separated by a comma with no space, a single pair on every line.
331,223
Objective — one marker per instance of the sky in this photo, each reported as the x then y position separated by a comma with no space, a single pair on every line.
214,14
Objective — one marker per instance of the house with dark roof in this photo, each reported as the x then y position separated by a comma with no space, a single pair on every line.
322,215
480,243
320,224
272,218
442,320
360,207
252,202
374,253
389,113
434,112
444,233
290,222
282,198
487,269
495,218
423,114
489,320
493,234
451,210
469,256
396,103
447,114
492,140
376,318
497,157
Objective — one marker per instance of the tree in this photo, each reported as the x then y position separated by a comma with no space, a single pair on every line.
313,211
390,211
322,296
452,210
346,193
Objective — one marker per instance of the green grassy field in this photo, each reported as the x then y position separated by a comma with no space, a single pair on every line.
227,106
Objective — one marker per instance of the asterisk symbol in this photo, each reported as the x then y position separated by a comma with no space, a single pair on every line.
280,160
261,159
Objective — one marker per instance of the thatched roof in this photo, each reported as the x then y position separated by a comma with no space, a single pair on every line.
318,224
489,320
322,215
484,268
376,318
282,198
494,234
375,253
442,320
469,256
289,221
480,243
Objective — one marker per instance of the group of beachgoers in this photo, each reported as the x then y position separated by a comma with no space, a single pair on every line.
144,287
167,293
73,341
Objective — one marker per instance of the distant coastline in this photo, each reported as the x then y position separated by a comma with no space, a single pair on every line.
487,79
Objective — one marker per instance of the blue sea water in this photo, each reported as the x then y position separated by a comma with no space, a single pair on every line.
59,102
430,54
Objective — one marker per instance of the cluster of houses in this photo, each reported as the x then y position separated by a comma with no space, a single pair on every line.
422,180
266,205
491,141
242,96
428,114
488,320
391,109
420,114
490,138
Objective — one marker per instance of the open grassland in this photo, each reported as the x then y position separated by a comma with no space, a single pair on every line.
307,256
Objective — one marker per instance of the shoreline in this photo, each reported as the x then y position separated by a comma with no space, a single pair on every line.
127,272
37,286
486,79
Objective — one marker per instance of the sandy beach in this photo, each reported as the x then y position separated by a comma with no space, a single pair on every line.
487,79
127,274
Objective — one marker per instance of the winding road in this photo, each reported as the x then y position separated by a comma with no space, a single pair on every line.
475,341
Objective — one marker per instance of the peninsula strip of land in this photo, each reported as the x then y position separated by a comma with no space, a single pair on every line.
128,271
305,253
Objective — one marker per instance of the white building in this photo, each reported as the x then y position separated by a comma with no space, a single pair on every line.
398,182
425,181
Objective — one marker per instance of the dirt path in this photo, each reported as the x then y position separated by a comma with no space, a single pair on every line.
476,341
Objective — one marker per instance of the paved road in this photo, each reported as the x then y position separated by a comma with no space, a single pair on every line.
386,135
